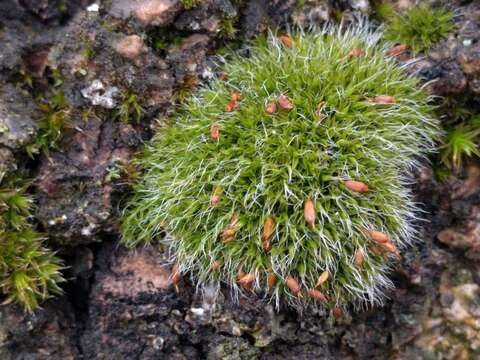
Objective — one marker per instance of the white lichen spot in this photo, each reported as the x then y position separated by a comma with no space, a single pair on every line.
99,95
88,230
207,73
93,8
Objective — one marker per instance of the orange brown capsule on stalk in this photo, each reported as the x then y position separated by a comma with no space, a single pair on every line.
358,258
378,236
228,234
268,231
377,250
293,285
223,76
285,103
214,200
356,186
384,99
356,53
317,295
231,105
286,40
322,278
215,132
320,107
247,279
235,96
309,212
337,312
234,220
176,276
271,108
397,50
240,274
391,248
216,265
271,280
215,197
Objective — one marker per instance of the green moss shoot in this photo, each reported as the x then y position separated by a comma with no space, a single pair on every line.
291,174
461,143
421,28
29,272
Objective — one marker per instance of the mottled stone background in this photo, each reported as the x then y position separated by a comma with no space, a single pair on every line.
118,303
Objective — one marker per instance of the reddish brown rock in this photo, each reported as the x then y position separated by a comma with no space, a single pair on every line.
157,12
130,47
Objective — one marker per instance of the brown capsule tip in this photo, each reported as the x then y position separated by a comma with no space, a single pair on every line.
215,132
228,234
216,265
321,105
268,228
358,258
223,76
287,41
267,246
247,279
337,312
176,275
317,295
377,250
309,212
235,96
356,53
285,103
378,236
214,200
231,105
397,50
271,108
293,285
391,248
271,280
234,221
240,274
322,278
356,186
384,99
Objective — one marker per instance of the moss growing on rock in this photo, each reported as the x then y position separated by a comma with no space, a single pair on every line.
421,28
29,272
290,177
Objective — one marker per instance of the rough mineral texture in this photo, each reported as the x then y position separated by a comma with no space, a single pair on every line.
119,303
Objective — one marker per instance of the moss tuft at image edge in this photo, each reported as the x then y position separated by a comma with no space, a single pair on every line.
421,27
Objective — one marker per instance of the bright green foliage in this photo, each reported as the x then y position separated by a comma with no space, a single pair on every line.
268,165
422,27
461,142
130,109
29,272
54,120
383,10
188,4
227,29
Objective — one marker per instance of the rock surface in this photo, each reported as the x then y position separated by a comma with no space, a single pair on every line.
120,304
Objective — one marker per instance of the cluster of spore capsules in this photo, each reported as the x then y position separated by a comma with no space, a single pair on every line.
288,176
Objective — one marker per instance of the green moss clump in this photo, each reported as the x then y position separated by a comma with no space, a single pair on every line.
461,142
188,4
421,28
29,272
383,11
291,174
130,109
